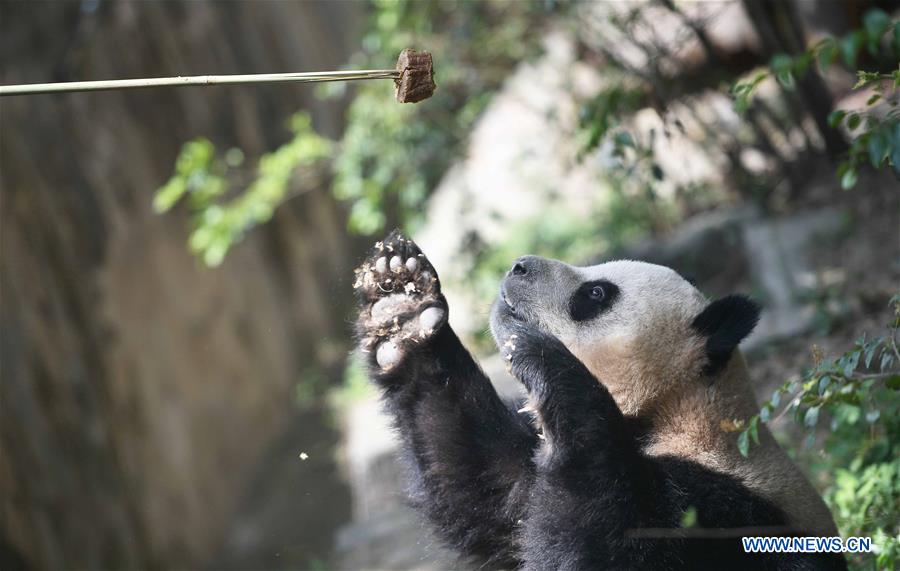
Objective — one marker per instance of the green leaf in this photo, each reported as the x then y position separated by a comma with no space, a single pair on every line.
168,195
853,121
864,78
742,92
624,139
835,117
847,414
801,63
872,416
811,418
850,48
878,147
786,79
887,358
870,353
826,52
848,180
810,440
781,63
893,382
776,399
876,22
689,517
851,363
782,66
743,443
824,383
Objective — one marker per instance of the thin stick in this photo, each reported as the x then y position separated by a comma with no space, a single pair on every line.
311,77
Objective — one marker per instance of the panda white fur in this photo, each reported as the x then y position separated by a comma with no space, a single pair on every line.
633,377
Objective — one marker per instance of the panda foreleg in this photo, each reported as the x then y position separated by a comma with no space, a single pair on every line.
592,484
575,411
470,455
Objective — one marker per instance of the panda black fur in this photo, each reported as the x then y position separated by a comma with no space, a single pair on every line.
597,474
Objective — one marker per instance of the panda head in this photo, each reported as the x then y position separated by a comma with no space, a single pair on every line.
642,329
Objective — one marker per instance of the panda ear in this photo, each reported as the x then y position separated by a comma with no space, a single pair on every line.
725,323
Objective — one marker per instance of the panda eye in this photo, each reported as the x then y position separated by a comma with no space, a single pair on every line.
591,299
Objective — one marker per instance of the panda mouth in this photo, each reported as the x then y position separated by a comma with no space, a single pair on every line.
510,307
505,299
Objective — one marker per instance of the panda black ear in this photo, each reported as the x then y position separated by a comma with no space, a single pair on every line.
725,323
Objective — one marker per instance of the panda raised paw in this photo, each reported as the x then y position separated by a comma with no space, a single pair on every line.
400,299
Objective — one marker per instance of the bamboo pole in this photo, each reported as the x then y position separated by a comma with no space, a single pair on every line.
105,85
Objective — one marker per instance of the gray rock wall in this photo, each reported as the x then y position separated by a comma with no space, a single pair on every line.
140,391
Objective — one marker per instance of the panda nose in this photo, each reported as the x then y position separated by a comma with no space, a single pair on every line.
523,266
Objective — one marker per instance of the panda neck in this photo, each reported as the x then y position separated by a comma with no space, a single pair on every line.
695,419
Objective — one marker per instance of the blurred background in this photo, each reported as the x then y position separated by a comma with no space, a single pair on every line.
177,387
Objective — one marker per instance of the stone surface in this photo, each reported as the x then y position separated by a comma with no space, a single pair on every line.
140,391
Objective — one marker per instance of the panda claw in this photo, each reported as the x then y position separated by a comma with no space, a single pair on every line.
412,264
381,265
396,264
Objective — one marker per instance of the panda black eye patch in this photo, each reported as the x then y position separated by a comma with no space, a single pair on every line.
591,299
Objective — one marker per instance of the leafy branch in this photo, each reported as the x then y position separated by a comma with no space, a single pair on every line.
878,139
849,379
221,214
860,393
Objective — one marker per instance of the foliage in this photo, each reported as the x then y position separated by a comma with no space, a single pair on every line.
874,131
221,215
877,137
601,113
390,155
860,393
609,133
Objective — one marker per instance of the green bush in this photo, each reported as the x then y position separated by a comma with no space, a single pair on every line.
858,468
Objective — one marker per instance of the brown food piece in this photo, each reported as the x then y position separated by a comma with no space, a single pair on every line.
416,81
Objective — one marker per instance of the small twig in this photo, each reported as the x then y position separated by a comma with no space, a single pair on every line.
695,27
794,402
894,345
864,376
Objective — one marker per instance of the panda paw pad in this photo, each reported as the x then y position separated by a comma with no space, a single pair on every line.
400,300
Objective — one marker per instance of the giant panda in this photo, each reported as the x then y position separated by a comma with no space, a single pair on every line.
632,377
